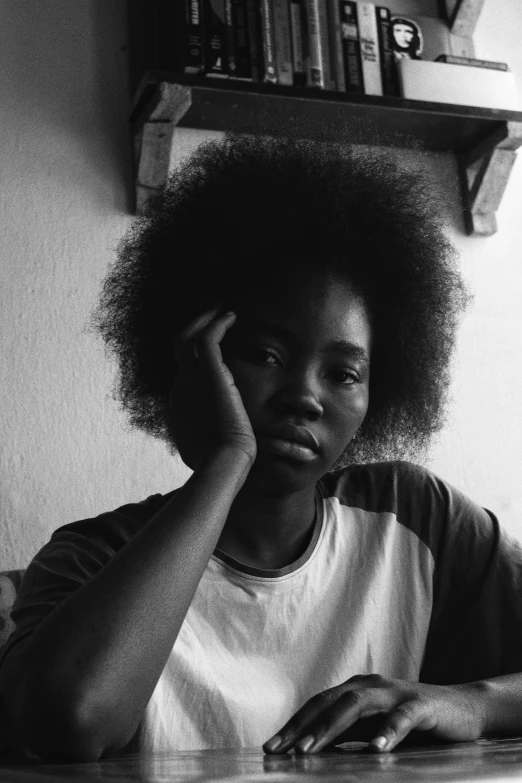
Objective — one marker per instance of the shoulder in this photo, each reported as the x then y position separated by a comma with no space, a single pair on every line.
76,551
74,554
385,486
433,509
111,529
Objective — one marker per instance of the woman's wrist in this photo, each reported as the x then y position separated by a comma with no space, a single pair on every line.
498,703
477,696
228,460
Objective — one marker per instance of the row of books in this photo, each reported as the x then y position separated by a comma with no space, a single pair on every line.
350,46
342,45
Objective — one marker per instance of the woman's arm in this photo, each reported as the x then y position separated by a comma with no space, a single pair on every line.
384,711
84,695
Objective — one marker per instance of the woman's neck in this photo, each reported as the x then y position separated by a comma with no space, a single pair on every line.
266,531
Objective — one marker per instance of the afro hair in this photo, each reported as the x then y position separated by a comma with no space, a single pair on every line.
246,209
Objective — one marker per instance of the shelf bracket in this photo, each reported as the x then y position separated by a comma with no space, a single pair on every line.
464,17
484,174
152,161
153,140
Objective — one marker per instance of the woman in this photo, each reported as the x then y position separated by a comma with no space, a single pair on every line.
283,314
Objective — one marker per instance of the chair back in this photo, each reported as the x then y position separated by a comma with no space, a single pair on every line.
10,582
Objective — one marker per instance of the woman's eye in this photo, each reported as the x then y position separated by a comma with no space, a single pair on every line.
263,355
346,377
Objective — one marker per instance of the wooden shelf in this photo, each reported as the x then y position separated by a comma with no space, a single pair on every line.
166,100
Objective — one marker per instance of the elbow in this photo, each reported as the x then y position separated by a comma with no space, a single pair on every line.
50,732
51,724
62,740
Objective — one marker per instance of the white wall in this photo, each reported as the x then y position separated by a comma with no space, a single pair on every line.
65,171
65,452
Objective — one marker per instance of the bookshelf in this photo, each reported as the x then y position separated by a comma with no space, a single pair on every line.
484,140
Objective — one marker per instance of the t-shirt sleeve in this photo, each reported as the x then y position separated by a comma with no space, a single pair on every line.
74,554
475,630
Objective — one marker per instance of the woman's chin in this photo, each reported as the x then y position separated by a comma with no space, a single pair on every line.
282,474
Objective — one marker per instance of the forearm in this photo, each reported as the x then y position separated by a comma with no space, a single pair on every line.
92,665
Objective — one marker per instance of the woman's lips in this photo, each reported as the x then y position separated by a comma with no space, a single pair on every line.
286,448
289,440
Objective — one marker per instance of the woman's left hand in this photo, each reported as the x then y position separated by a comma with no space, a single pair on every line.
449,712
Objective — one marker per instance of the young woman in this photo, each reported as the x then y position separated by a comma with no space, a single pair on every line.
284,314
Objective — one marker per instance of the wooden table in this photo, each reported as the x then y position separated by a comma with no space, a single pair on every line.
485,760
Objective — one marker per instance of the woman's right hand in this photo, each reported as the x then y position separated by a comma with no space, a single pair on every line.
205,412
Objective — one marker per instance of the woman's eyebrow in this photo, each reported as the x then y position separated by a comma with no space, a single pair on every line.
251,325
353,350
347,347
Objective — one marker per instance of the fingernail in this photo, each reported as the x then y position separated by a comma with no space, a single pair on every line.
274,743
379,742
306,743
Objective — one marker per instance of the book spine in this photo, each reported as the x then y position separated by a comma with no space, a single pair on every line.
170,37
336,45
319,71
389,76
454,59
283,45
215,38
231,51
370,60
298,34
324,34
255,39
351,46
267,21
241,40
193,54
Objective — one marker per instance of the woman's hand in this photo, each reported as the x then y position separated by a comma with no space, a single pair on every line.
205,412
394,707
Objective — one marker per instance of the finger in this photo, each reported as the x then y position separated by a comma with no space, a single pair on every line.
363,730
338,721
294,729
357,702
411,714
208,341
183,340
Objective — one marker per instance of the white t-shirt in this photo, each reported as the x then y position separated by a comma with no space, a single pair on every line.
253,648
404,576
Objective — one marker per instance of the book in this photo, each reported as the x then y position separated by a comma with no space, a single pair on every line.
177,37
231,54
390,81
283,44
215,38
351,46
268,35
370,56
298,33
240,40
255,41
193,37
426,38
319,72
471,61
422,80
336,46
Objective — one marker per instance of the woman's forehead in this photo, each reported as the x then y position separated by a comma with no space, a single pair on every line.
319,309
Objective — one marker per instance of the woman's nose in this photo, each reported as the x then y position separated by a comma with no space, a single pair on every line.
299,398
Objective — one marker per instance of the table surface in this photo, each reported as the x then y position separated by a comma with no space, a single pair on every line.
485,760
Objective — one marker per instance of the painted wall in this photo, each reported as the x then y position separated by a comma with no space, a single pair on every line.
65,451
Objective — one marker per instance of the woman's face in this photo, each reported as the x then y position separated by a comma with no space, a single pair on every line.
403,35
300,357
